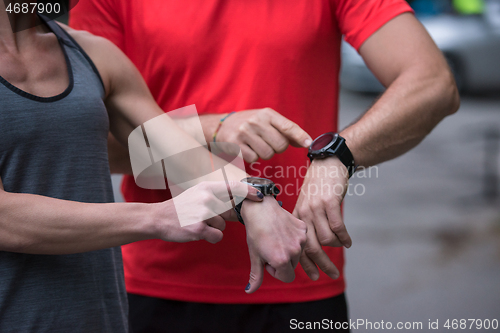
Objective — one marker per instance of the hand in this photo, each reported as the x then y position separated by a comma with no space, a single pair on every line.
195,214
318,206
275,240
262,133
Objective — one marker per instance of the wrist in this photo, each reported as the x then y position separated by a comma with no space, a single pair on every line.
209,124
354,145
250,208
154,218
333,165
223,117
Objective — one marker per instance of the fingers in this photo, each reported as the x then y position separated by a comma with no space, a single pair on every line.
284,272
277,141
337,225
256,274
325,235
270,269
260,146
309,267
238,189
216,222
248,154
296,135
211,235
315,253
307,264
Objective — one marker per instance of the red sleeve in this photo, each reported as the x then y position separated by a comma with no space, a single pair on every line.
100,17
359,19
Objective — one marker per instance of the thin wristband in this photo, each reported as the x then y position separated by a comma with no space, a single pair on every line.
220,124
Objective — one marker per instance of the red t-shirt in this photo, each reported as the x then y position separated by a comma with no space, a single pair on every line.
227,56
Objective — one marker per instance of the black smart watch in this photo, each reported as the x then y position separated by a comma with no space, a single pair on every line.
332,144
264,185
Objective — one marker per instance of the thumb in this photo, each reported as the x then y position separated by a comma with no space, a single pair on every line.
256,275
293,132
211,235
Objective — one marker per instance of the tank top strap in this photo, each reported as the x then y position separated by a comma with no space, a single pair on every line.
67,40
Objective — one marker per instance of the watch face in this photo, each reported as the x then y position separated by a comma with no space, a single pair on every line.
322,141
257,181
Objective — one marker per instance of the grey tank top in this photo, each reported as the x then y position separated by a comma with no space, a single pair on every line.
57,147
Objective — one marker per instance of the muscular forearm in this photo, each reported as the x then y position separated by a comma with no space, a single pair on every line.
421,91
410,108
40,225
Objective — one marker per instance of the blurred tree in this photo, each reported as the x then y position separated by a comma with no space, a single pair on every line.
469,7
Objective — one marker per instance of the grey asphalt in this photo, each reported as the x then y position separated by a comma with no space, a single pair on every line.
426,242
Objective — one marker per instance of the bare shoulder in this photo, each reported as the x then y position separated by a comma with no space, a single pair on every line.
105,55
89,42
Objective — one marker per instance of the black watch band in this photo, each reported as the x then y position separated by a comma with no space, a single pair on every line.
264,185
332,144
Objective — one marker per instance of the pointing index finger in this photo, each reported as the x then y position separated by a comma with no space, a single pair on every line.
293,132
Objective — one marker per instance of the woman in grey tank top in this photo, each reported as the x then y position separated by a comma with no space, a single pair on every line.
60,261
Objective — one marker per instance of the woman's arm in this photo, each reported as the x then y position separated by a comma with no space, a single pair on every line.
41,225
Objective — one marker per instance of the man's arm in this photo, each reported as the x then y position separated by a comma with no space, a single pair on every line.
420,92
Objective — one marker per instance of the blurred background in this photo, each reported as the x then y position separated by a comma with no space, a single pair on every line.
426,230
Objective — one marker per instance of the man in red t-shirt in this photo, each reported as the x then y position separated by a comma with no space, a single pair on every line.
263,58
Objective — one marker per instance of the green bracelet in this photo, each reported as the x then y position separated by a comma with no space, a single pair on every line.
220,124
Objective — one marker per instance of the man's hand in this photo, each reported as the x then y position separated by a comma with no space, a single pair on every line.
262,133
319,206
275,240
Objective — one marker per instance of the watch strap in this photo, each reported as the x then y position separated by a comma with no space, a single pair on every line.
345,156
237,209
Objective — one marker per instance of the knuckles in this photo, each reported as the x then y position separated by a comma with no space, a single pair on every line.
243,130
267,154
327,240
336,226
281,260
287,125
267,112
312,251
253,158
281,145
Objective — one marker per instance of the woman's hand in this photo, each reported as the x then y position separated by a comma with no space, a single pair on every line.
195,213
275,241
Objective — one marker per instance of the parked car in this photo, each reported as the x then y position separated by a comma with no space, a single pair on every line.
470,43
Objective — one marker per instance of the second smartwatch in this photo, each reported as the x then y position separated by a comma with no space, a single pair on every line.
264,185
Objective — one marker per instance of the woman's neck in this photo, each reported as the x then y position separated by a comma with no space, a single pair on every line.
16,29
